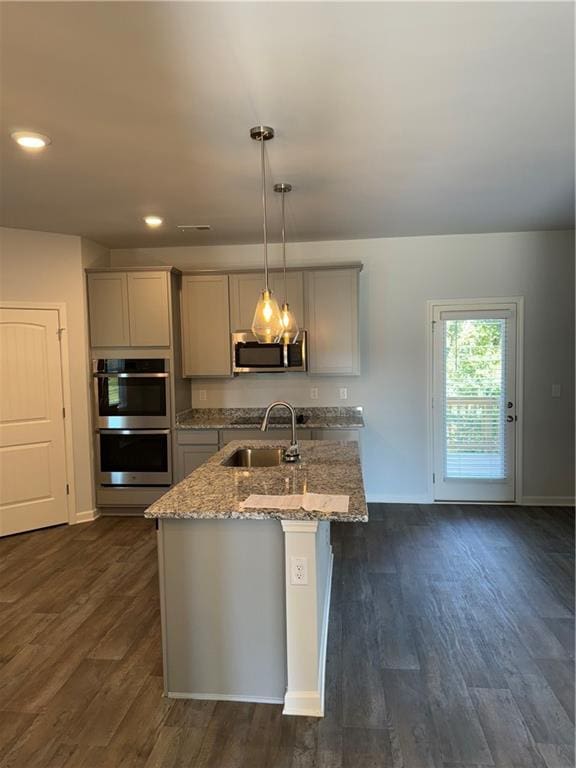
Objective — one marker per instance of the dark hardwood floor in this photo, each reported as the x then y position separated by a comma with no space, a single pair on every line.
451,645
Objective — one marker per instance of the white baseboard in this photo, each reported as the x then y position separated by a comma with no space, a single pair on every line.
311,703
224,697
527,501
304,704
548,501
87,516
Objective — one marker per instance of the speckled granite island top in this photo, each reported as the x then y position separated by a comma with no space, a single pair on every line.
349,417
215,491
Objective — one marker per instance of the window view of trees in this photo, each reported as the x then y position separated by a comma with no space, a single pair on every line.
474,372
474,358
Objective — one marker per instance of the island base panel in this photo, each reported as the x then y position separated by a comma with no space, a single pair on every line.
223,601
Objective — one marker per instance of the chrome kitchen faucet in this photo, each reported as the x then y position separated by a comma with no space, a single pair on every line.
293,452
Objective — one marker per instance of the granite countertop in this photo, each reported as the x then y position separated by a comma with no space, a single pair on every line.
250,418
215,491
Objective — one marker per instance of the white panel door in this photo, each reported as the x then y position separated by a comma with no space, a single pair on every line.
32,451
474,403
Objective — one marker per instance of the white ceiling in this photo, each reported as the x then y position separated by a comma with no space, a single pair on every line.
392,118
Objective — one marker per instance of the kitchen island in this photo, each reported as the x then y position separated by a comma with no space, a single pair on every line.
245,592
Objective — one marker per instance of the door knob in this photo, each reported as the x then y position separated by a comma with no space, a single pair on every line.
509,418
510,404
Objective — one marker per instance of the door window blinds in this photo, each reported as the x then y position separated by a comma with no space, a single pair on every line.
475,350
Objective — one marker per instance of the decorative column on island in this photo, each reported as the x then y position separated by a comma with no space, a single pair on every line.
307,614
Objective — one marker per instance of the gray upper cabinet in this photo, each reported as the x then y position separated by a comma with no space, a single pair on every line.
245,290
332,316
108,308
206,326
294,293
129,309
148,303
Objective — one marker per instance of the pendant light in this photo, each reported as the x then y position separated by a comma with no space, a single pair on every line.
290,328
267,323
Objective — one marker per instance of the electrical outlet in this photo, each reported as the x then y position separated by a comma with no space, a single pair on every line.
299,571
343,393
201,394
313,393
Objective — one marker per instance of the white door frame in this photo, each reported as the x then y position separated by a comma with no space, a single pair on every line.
66,394
473,303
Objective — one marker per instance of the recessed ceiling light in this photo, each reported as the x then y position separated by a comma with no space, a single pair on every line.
197,227
31,140
154,221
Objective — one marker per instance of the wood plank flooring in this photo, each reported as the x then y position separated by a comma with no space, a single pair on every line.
451,645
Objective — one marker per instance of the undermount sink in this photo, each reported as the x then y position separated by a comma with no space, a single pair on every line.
255,457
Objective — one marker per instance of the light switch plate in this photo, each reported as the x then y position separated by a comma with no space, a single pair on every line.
313,393
556,390
201,394
343,393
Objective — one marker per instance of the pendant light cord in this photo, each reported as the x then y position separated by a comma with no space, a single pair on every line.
263,163
284,248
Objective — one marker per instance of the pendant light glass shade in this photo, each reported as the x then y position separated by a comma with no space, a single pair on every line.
267,323
290,328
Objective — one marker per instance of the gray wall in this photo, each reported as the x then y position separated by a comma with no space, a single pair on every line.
399,276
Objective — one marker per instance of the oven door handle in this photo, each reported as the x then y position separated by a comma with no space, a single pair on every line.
133,431
130,375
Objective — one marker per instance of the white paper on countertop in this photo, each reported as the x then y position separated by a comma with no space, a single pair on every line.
311,502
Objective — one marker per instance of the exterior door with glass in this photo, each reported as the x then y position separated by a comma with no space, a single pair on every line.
474,402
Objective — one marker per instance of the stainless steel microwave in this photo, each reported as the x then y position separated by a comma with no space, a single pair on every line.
249,356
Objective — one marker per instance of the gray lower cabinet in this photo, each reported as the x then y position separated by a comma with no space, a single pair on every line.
189,457
206,326
352,435
193,448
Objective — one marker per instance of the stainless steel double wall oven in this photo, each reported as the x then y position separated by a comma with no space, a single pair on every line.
132,418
